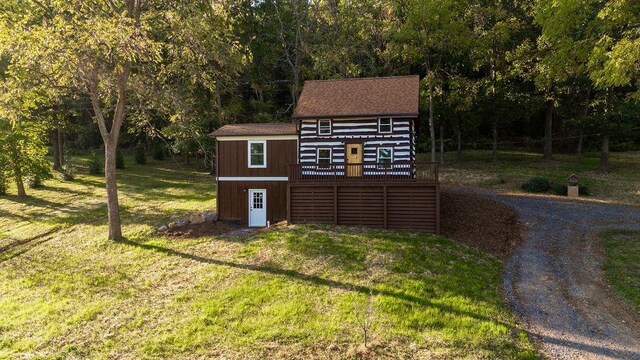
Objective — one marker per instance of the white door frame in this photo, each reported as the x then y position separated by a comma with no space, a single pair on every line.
257,222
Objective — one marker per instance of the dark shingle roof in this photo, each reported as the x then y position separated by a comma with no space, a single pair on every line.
396,95
256,129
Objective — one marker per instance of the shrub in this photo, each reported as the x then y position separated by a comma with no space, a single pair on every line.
159,151
34,182
140,156
560,189
119,159
68,174
584,190
95,164
536,184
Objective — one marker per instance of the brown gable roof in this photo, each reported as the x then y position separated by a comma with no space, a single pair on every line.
397,95
256,129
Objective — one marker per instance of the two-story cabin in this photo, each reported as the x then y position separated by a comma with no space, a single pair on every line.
348,158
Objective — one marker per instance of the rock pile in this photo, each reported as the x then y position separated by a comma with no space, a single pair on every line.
199,218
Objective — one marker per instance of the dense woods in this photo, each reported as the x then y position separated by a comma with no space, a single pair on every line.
547,75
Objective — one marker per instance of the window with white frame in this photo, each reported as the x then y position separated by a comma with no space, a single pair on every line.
324,127
385,157
385,125
257,154
324,157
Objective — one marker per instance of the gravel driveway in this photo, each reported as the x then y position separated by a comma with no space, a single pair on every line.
555,283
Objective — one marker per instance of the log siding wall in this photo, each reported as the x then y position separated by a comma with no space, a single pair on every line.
344,131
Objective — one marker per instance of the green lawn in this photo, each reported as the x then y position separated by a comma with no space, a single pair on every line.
622,264
514,167
292,292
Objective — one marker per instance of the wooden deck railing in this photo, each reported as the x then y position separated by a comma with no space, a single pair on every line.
365,172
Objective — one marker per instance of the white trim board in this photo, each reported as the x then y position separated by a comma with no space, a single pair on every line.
253,178
257,137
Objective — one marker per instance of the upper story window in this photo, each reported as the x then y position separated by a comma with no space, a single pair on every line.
385,125
257,154
324,156
385,157
324,127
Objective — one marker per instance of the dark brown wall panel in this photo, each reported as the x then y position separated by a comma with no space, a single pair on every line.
412,207
312,205
409,206
232,158
234,203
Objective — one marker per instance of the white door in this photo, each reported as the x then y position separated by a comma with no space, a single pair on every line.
258,207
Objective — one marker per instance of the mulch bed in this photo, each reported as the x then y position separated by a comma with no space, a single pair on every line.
479,222
204,229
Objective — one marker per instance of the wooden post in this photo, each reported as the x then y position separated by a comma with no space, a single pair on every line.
335,204
386,222
288,204
437,209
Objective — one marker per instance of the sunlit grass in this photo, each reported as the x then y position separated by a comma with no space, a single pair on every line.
66,291
514,168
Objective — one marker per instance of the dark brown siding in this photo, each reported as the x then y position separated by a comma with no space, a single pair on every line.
233,200
361,205
312,204
411,206
232,157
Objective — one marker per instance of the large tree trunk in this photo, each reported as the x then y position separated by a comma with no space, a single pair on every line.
432,130
60,146
441,144
110,140
548,130
17,172
580,141
459,149
115,229
55,138
604,154
494,132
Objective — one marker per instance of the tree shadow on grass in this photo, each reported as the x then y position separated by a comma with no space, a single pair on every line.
34,201
316,280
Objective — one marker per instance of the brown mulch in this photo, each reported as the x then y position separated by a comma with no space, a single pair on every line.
204,229
480,222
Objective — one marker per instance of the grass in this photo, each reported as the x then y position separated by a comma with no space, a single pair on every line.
622,264
513,168
292,292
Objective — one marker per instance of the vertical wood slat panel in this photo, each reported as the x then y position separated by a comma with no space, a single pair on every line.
396,206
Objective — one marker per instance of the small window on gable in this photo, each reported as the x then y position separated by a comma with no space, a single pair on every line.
324,157
324,127
257,154
385,125
385,157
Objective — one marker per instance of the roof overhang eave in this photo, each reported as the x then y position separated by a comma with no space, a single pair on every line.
335,116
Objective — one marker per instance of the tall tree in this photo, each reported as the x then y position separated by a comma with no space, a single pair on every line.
431,34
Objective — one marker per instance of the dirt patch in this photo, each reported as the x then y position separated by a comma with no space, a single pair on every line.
480,222
204,229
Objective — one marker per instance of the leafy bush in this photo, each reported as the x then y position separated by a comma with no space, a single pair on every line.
584,190
68,173
560,189
34,182
159,151
537,184
95,164
119,159
140,156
